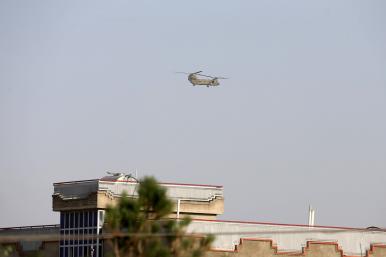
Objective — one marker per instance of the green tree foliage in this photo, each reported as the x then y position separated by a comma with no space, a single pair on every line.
6,250
141,228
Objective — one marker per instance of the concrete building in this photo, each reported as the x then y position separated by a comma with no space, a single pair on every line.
82,203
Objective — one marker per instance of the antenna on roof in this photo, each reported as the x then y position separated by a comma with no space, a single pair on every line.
121,175
311,216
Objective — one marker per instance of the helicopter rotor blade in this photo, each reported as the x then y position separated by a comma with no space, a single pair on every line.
188,73
212,77
198,73
206,76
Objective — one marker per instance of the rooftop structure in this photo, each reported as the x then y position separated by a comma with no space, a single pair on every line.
198,201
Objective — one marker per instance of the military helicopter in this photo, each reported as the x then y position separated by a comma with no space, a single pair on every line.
195,79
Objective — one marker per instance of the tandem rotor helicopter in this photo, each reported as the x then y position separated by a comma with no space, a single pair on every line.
196,79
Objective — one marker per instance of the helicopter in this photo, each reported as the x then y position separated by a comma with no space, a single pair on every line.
197,81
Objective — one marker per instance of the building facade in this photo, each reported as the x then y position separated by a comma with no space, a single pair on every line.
82,207
82,203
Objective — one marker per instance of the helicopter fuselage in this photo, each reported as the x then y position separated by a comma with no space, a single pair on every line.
203,82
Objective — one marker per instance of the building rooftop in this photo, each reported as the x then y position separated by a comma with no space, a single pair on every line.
197,200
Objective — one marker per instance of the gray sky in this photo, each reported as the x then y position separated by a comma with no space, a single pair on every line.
89,86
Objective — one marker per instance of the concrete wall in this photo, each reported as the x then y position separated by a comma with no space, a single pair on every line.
39,241
47,249
266,248
288,238
246,248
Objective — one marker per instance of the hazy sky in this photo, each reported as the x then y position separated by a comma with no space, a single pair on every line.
89,86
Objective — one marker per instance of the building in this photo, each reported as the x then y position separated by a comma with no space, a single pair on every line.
82,203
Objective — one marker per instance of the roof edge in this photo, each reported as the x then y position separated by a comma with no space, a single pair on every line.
282,224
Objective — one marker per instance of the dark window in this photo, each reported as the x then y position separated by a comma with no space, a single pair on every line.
66,239
76,233
90,236
94,231
81,217
61,220
76,219
80,236
72,237
66,220
95,218
86,218
75,251
71,220
61,254
66,251
81,251
84,236
90,219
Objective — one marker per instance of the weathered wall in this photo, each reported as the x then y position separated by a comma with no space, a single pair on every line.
247,248
46,249
89,202
203,201
287,237
266,248
100,200
32,240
